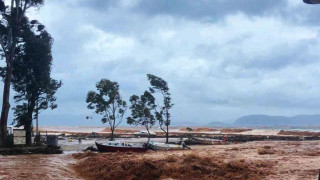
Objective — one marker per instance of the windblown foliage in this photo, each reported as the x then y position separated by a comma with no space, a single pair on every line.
108,103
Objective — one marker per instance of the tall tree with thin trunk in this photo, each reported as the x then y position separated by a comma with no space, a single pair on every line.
108,103
163,116
11,19
142,111
31,76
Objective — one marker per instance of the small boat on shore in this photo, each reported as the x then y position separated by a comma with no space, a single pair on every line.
164,146
118,146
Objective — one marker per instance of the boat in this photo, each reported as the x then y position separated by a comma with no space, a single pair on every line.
163,146
118,146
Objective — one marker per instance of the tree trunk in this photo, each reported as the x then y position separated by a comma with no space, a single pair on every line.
9,59
28,125
28,128
167,134
112,133
5,105
148,137
167,124
37,138
112,129
148,134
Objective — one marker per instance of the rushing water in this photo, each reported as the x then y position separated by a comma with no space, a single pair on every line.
37,166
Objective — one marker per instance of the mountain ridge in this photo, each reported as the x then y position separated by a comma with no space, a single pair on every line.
266,120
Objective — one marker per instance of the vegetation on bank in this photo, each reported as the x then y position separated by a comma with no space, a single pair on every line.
108,103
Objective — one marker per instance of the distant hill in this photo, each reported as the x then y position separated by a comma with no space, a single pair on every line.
264,120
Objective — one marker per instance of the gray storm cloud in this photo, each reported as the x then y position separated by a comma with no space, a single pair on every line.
222,59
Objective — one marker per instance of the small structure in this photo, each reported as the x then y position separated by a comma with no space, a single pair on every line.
19,136
52,140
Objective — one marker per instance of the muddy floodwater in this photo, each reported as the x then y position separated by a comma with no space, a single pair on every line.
285,160
37,166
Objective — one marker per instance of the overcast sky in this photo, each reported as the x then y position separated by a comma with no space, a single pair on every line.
222,59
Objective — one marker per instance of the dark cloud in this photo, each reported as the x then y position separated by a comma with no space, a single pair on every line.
206,8
222,58
191,8
303,14
285,55
101,5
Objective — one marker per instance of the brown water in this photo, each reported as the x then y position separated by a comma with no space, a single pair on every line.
292,160
37,166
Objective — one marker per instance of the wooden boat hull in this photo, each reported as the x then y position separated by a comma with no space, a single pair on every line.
106,148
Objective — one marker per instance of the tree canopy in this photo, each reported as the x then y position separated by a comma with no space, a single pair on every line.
13,16
158,85
142,111
31,75
108,103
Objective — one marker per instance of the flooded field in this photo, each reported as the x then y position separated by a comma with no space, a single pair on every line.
264,159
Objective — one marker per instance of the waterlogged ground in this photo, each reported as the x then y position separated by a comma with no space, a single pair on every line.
37,166
268,160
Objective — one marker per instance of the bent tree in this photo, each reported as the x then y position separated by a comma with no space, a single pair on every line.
31,76
11,20
163,116
108,103
142,111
